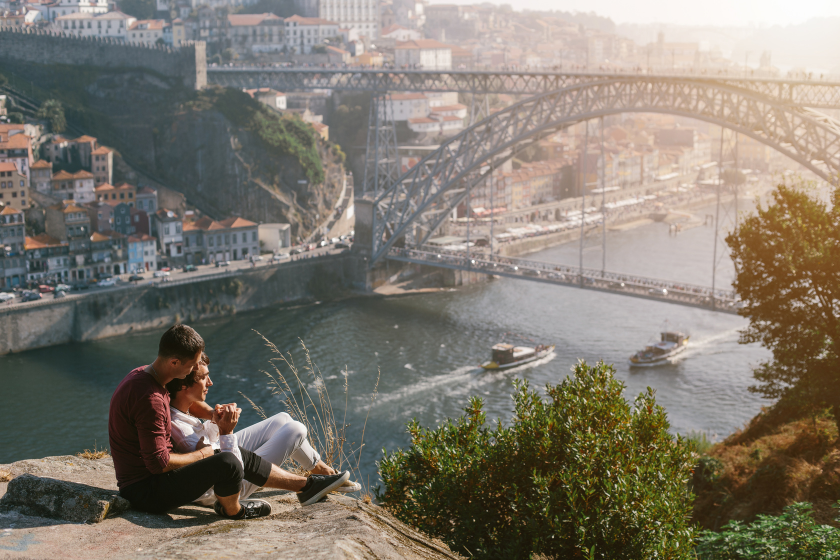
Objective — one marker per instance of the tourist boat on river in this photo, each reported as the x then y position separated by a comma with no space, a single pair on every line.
662,352
507,356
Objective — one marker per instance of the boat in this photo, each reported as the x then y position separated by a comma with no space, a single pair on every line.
507,356
670,344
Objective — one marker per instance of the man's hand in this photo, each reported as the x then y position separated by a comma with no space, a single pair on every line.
219,408
227,421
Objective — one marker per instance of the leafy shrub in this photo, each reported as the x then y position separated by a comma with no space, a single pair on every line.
581,473
16,118
791,536
51,110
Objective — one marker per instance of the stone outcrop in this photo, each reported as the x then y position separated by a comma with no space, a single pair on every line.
340,527
59,499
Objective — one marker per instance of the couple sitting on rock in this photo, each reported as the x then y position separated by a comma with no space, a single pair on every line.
164,402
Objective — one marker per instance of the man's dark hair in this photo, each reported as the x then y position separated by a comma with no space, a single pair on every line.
177,384
181,342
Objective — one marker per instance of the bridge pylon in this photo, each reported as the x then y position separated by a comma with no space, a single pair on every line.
382,163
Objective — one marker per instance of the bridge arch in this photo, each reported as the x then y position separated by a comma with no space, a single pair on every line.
423,197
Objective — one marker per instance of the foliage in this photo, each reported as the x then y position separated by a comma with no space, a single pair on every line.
791,536
4,81
319,49
141,9
787,261
229,54
348,121
51,110
282,8
281,135
700,441
733,177
581,473
16,118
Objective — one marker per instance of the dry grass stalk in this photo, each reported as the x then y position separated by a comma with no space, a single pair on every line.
316,412
94,454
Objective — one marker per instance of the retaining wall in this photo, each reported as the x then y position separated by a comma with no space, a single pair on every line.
186,64
118,311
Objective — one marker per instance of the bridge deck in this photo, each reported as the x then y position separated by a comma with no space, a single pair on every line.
724,301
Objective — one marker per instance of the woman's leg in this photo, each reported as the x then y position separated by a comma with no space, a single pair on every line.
277,439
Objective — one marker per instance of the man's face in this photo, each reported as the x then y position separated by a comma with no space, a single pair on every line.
198,390
183,368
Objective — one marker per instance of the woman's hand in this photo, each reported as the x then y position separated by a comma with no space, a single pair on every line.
227,421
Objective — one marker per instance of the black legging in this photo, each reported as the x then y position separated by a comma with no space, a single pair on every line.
163,492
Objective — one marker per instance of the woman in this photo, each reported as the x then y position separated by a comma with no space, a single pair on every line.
275,439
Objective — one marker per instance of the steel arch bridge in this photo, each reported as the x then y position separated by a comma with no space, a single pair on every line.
798,93
422,198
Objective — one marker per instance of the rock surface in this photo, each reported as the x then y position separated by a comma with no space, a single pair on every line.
340,527
59,499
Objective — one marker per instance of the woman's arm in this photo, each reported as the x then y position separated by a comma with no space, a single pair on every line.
201,409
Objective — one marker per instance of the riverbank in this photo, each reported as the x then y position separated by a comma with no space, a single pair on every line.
136,308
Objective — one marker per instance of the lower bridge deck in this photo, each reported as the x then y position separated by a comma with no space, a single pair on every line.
724,301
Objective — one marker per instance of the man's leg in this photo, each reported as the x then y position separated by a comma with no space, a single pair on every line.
163,492
260,472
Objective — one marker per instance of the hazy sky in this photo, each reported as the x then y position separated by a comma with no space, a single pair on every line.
686,12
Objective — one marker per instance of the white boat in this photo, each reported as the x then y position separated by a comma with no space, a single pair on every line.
507,356
662,352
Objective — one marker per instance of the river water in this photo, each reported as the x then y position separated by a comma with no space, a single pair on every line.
426,347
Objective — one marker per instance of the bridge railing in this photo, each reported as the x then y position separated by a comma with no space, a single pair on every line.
483,261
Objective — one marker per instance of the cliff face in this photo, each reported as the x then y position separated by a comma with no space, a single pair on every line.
220,148
46,523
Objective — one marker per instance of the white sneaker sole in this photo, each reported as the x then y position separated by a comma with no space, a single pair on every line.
327,489
349,487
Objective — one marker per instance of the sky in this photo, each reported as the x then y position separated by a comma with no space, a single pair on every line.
760,13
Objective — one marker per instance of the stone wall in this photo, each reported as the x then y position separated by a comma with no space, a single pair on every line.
119,311
186,64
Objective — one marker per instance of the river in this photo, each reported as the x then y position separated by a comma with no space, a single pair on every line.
425,348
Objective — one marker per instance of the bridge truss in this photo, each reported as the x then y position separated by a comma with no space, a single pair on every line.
414,207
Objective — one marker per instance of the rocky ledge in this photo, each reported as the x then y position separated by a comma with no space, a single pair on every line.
67,507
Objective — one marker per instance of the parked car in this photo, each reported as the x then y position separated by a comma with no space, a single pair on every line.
257,258
104,276
80,286
280,257
166,269
161,273
323,243
44,289
62,288
107,283
60,294
222,263
342,245
135,278
296,251
30,295
334,240
189,268
6,296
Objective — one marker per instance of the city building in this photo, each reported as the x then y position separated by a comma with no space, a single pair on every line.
273,237
40,177
70,223
270,97
67,7
12,247
148,31
146,200
206,240
425,54
303,33
111,25
47,259
167,227
108,254
102,165
78,186
360,15
140,221
16,147
101,216
14,187
400,33
123,219
115,195
142,253
405,106
250,34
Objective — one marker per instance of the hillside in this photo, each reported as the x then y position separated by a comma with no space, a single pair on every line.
228,154
780,457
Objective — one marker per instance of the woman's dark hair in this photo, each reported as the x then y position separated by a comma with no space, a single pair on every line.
177,384
181,342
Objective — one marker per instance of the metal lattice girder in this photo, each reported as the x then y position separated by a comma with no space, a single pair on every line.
422,198
800,93
382,164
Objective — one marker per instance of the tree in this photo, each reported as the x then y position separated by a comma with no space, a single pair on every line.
734,177
16,118
581,473
141,9
787,258
52,111
229,54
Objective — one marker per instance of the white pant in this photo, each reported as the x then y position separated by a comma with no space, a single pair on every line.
275,439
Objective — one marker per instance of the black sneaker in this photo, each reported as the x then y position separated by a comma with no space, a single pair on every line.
319,485
250,509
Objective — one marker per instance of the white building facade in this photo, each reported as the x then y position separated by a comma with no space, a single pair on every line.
83,24
426,54
302,33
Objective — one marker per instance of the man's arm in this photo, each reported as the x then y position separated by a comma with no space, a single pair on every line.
178,460
201,409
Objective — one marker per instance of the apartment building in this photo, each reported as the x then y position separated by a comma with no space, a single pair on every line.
207,241
14,187
303,33
249,34
78,186
12,247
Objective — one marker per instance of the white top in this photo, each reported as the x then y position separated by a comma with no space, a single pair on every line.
188,431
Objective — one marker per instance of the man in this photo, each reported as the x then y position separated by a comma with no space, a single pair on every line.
155,479
274,439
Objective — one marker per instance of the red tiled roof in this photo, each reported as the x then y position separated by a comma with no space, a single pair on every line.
84,139
41,164
101,150
8,166
8,210
140,238
16,142
233,223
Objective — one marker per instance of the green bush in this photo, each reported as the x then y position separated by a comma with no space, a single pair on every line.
791,536
16,118
51,110
579,474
